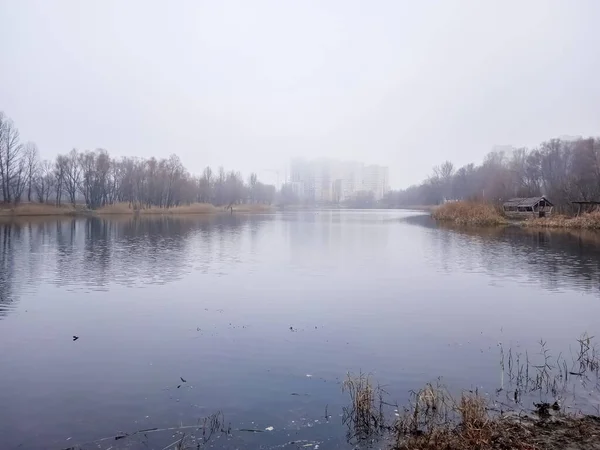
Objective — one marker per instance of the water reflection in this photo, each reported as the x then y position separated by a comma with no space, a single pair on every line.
93,253
245,307
554,259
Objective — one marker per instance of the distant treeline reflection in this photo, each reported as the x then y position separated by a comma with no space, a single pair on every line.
555,259
95,252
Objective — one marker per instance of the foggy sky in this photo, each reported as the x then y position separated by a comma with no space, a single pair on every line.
250,84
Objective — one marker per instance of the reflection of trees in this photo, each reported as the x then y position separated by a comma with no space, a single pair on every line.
552,258
6,270
92,253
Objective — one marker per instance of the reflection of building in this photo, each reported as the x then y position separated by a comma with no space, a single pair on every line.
327,180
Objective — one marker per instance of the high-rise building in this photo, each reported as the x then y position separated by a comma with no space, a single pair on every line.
328,180
376,180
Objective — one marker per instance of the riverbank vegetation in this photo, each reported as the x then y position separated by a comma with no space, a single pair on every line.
474,213
93,179
588,221
38,209
528,411
563,170
469,213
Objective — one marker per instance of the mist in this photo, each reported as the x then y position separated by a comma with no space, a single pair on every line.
250,86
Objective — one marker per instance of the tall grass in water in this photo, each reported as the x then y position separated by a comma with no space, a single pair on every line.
364,417
435,420
469,213
528,420
547,378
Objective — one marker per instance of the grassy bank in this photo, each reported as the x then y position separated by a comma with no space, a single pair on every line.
588,221
469,213
41,209
485,214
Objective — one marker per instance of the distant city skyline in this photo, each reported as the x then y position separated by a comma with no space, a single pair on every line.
324,180
243,85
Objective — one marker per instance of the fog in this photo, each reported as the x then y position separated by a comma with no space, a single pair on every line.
249,85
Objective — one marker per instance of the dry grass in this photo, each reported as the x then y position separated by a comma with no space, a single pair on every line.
126,208
38,209
433,419
588,221
364,417
469,213
469,425
194,208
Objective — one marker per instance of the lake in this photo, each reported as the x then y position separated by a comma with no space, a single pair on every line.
260,317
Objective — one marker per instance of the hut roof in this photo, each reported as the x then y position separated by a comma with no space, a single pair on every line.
526,201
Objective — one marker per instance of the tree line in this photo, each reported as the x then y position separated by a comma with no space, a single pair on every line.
95,178
564,170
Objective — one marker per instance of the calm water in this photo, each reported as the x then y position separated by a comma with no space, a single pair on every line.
252,310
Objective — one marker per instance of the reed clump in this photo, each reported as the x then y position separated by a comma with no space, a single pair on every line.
469,213
364,416
471,424
533,416
434,420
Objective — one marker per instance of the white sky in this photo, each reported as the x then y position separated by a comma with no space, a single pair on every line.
251,84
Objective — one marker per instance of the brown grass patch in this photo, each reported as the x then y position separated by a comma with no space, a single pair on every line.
435,421
194,208
38,209
587,221
469,213
126,208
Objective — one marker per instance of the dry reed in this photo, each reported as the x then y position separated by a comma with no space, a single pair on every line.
364,417
587,221
469,213
194,208
38,209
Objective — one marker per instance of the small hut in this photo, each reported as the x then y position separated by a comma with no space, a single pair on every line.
588,206
527,207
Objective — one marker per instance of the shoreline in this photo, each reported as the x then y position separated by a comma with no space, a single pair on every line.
36,210
533,408
477,214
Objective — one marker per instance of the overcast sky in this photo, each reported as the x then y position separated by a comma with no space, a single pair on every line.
251,84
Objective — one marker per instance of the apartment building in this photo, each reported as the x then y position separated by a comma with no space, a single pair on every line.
328,180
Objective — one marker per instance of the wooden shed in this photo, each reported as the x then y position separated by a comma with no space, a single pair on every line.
527,207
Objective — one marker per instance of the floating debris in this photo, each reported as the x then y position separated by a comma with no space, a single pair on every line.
185,381
308,375
75,338
269,429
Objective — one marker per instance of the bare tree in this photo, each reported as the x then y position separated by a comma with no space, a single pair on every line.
11,152
72,175
31,167
44,181
60,168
